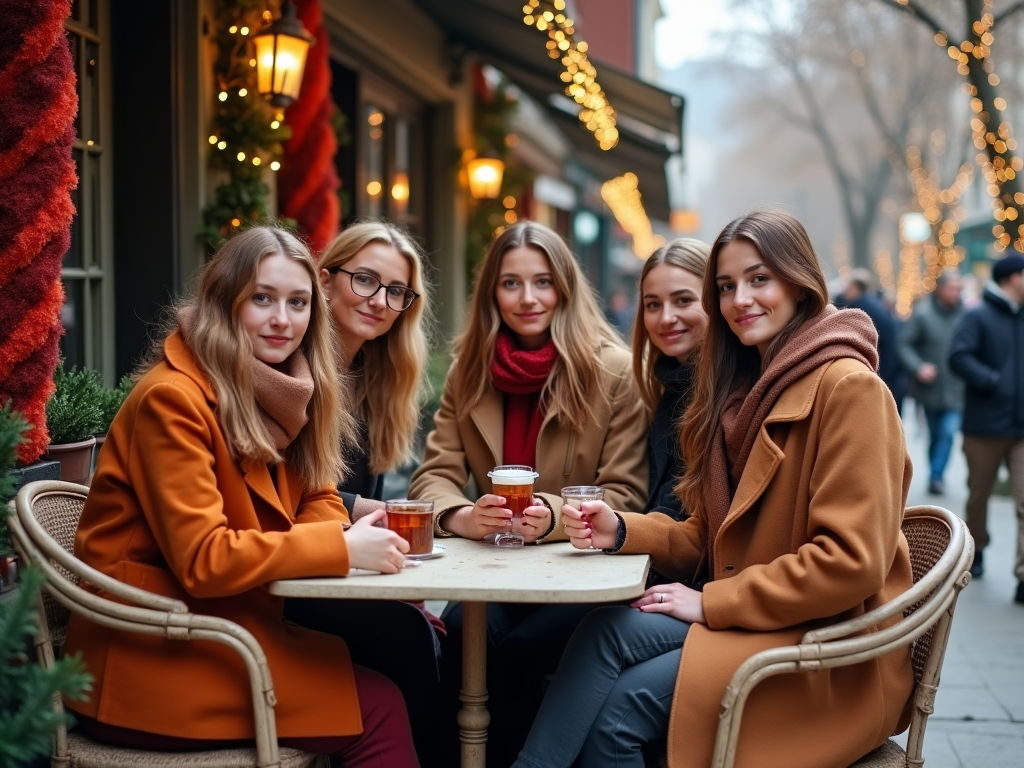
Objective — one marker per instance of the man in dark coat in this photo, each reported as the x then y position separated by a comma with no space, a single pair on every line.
987,351
860,294
924,348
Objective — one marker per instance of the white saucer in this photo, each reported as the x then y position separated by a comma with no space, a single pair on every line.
439,549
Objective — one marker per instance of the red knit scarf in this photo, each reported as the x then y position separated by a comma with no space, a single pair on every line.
520,374
829,336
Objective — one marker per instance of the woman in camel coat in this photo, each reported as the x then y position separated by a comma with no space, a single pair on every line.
539,379
218,477
796,475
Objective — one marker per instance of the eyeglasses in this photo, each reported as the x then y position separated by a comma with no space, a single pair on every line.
398,297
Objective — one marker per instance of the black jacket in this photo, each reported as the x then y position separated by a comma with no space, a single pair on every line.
360,480
987,352
663,437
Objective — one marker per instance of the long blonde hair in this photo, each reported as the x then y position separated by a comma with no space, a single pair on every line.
725,364
224,352
393,365
578,329
685,253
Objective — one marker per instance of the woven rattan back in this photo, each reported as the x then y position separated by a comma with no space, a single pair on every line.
928,538
58,514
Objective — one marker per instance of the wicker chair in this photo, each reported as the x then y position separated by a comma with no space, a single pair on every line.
43,530
941,551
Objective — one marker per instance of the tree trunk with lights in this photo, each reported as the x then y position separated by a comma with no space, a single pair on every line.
991,133
38,102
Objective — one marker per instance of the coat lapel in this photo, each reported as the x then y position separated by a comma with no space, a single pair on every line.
765,456
488,416
257,478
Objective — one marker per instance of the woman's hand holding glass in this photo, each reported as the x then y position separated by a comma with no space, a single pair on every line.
490,516
675,600
375,549
593,525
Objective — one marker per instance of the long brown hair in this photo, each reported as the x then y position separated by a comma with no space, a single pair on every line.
685,253
579,329
224,352
393,365
726,365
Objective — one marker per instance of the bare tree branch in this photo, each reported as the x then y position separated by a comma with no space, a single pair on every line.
912,8
1004,14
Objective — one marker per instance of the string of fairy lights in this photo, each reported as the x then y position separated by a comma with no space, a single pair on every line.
622,194
997,169
580,76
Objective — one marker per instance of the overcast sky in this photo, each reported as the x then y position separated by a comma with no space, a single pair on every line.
688,30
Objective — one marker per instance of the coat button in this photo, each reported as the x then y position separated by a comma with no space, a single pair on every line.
730,567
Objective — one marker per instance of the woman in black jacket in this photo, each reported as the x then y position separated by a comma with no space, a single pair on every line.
669,327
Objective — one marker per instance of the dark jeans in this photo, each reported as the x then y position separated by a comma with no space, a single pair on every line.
612,694
942,428
525,643
390,637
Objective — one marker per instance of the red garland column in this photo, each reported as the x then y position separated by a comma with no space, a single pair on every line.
308,181
38,103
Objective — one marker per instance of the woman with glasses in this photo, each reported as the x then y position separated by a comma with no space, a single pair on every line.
372,276
540,378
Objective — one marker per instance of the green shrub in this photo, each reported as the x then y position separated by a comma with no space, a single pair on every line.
27,717
111,400
12,427
73,412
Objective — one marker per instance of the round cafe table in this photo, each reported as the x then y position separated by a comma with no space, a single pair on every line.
477,573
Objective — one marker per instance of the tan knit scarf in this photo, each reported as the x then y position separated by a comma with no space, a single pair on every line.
831,335
282,392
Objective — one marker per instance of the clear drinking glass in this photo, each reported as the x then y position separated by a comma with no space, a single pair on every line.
515,483
413,521
575,495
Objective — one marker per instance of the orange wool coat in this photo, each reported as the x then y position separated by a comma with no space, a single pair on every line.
812,538
171,512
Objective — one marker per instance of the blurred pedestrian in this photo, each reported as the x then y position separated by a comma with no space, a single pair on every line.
620,312
988,352
860,293
924,352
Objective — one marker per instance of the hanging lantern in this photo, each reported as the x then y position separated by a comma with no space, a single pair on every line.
281,57
485,176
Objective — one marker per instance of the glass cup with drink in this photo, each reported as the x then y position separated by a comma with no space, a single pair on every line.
575,495
515,483
414,522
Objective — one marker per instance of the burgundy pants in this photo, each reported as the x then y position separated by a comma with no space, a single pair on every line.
386,740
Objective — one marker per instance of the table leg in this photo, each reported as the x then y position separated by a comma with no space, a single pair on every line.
474,717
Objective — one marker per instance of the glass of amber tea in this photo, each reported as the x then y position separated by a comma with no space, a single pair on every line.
414,522
575,495
515,483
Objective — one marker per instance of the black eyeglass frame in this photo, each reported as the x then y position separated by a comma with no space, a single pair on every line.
380,284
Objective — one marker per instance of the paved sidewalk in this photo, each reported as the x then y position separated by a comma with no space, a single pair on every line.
979,711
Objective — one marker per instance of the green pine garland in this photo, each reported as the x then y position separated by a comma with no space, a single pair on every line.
241,124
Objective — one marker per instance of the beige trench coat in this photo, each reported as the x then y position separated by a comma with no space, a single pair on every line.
610,452
812,538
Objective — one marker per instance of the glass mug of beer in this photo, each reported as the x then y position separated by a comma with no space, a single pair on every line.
515,483
414,522
575,495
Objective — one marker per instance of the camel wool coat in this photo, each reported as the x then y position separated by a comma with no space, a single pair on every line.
812,537
171,512
610,452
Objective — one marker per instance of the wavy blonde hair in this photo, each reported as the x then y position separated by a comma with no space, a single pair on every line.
393,365
685,253
725,364
579,329
223,351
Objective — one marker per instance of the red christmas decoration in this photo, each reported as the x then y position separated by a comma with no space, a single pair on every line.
308,181
38,102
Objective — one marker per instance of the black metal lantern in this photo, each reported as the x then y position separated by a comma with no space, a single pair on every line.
281,57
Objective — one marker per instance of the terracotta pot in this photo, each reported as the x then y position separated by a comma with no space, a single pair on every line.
75,460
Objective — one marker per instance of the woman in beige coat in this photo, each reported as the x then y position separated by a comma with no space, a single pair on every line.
539,379
796,477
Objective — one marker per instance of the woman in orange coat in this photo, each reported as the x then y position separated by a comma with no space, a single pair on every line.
217,477
796,477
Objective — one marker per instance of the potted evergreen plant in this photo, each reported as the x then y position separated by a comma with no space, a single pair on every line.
73,418
12,426
110,404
